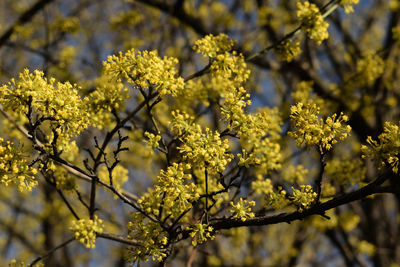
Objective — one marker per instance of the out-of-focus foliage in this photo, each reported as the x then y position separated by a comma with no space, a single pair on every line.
199,133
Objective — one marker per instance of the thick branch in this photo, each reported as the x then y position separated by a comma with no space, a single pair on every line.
363,192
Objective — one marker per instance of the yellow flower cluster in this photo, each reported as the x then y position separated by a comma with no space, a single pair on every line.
145,70
171,190
262,186
108,96
303,93
200,233
242,209
153,139
85,230
370,67
211,46
312,130
258,132
67,55
59,101
386,151
294,174
348,5
277,200
14,169
288,50
62,178
348,220
232,69
202,149
312,21
304,197
367,248
346,170
151,237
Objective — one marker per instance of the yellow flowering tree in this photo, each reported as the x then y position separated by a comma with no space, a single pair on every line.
199,133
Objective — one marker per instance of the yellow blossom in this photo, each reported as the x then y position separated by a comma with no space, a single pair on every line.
14,169
145,69
211,45
310,129
370,67
85,230
312,21
242,209
304,197
200,233
151,237
348,5
386,151
288,50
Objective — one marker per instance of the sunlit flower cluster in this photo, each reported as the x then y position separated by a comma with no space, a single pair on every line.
232,68
242,209
386,150
201,148
153,140
146,70
108,96
348,5
173,189
59,102
310,129
211,46
304,197
14,169
200,233
85,230
151,237
277,200
312,21
258,132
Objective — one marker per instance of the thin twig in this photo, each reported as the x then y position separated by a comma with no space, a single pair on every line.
51,251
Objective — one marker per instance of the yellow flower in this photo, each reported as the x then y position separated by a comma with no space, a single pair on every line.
85,230
348,5
242,209
211,45
312,21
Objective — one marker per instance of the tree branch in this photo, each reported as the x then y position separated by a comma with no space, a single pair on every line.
24,18
363,192
51,251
